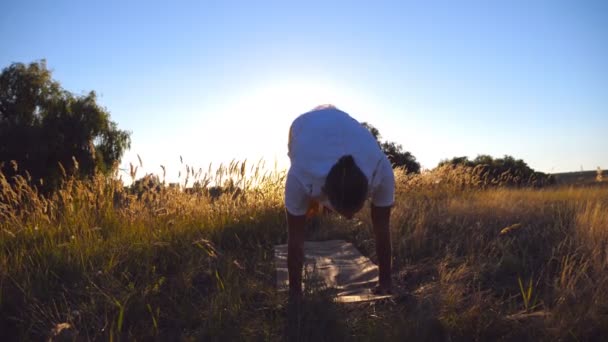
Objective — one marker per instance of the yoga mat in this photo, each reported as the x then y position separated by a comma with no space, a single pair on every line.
334,264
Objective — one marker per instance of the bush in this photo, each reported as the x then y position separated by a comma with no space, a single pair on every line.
506,171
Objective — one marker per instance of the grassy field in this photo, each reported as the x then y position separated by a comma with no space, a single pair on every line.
469,264
582,178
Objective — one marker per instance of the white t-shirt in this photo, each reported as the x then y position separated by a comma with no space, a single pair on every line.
317,140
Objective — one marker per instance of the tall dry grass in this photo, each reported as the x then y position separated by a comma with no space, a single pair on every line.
113,263
472,261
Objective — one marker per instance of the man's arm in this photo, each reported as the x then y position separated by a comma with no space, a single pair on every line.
381,223
296,200
295,253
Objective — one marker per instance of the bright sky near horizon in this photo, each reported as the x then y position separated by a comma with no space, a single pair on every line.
219,80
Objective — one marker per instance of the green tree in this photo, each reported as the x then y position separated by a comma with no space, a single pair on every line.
394,152
42,126
373,130
506,170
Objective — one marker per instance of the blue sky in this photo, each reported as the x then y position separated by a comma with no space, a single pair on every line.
217,80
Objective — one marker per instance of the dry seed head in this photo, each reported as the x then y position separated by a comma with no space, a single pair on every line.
76,165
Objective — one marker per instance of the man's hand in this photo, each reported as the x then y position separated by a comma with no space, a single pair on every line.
381,222
295,255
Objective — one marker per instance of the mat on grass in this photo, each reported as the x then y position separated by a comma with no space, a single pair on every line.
334,264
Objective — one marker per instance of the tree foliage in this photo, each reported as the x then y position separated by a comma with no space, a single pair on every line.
47,131
395,153
506,170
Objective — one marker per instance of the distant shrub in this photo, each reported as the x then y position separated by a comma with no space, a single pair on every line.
147,184
506,171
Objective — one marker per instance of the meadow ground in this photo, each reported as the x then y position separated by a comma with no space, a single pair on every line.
470,263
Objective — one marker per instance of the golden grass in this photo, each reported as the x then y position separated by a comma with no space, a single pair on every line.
472,262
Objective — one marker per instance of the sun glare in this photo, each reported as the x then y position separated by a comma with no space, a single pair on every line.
261,116
292,97
250,124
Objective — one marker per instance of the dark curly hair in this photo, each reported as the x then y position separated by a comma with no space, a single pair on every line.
346,185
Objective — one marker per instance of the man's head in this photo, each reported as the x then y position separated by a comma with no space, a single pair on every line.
346,187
